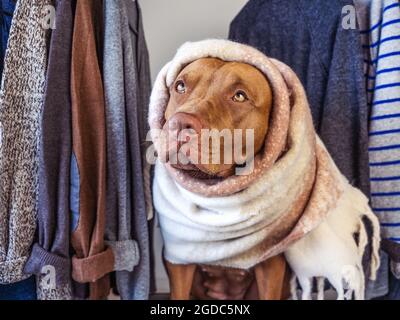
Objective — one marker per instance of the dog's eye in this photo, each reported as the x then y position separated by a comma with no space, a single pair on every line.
240,96
180,87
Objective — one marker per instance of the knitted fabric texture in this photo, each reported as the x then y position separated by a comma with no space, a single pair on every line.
137,94
21,102
53,243
295,201
125,198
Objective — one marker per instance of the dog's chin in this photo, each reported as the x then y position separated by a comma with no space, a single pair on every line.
194,171
199,171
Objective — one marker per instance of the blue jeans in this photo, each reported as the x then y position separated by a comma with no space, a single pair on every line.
7,8
23,290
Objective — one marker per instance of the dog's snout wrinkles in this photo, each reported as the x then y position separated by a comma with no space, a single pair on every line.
185,121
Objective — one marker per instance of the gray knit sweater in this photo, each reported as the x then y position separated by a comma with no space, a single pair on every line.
125,207
52,246
137,89
119,202
21,101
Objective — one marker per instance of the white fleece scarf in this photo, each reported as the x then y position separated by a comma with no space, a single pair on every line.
295,202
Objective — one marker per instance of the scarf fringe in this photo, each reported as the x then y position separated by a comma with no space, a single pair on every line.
320,288
376,242
352,283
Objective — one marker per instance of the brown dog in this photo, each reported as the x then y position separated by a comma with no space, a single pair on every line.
213,94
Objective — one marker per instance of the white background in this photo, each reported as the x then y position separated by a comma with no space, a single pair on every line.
170,23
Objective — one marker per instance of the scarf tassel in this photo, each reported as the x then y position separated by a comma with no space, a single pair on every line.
353,282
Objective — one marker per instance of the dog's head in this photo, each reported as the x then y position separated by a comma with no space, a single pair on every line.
211,94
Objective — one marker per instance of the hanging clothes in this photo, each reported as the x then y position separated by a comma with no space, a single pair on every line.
26,289
329,62
143,83
21,102
380,33
52,247
137,105
119,203
93,261
7,8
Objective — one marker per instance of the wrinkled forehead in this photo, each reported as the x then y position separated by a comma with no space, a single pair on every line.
223,72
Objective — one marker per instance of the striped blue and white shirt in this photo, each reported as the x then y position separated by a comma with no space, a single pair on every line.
381,42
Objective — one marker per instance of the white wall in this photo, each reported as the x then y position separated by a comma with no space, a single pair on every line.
167,25
170,23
